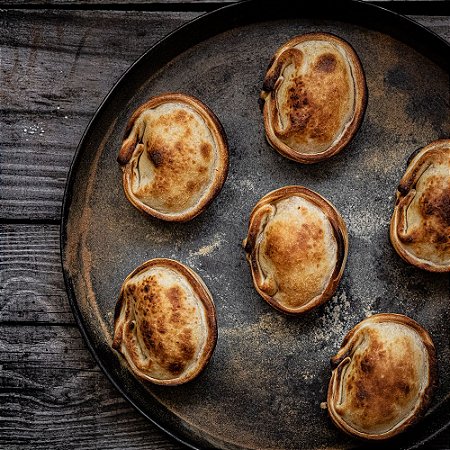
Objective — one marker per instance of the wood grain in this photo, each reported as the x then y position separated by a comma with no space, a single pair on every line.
52,393
54,396
31,282
57,66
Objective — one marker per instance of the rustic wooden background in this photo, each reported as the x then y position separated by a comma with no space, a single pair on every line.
58,59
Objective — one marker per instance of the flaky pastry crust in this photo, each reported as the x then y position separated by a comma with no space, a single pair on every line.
174,157
165,323
314,97
383,377
296,247
420,224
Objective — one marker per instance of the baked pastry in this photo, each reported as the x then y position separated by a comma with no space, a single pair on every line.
314,97
420,225
165,322
297,248
383,377
174,157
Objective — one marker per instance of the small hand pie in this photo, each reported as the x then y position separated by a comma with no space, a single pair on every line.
297,248
165,322
420,225
383,377
174,157
314,97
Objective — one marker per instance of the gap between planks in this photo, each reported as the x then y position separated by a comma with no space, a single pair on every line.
430,7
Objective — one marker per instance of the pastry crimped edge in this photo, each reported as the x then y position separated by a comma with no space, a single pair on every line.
427,395
351,129
340,234
407,183
216,129
204,295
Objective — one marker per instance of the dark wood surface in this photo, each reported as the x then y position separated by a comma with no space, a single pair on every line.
57,62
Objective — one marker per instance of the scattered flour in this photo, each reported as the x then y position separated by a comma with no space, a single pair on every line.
245,184
217,241
338,318
365,224
34,129
158,237
307,375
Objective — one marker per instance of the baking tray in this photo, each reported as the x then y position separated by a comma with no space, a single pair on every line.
269,374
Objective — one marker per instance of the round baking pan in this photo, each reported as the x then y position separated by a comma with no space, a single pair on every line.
269,374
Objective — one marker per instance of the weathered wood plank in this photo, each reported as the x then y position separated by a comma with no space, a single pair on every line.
438,24
54,396
56,67
42,347
71,59
60,62
31,282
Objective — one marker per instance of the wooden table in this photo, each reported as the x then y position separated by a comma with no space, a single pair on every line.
58,59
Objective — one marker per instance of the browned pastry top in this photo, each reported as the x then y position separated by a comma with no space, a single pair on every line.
314,97
383,377
165,325
296,247
174,157
420,225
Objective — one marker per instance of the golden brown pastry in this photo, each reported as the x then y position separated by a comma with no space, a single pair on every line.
165,322
420,225
383,377
174,157
314,97
297,248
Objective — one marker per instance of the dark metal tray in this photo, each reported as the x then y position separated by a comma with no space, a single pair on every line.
270,372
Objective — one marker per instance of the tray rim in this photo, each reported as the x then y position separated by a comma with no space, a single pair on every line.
195,30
